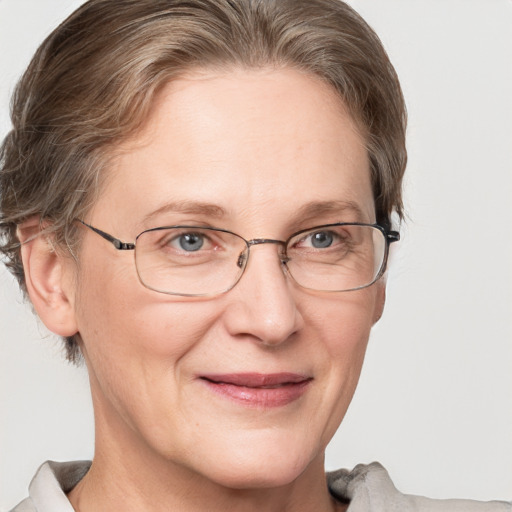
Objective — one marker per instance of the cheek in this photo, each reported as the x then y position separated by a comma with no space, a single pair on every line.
132,340
136,347
347,347
140,326
113,306
344,323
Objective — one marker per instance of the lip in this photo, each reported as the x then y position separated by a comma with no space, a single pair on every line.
263,390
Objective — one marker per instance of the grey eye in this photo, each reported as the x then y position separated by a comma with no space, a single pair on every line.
191,241
322,239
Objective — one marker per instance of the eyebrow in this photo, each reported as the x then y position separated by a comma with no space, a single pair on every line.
189,207
315,209
308,212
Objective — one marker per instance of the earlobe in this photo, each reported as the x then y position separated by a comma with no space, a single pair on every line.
48,281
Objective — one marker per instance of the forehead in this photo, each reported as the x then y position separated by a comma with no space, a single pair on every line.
246,141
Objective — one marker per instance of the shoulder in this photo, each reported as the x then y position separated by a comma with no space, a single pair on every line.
368,488
47,491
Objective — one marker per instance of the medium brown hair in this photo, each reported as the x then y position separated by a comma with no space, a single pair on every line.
91,85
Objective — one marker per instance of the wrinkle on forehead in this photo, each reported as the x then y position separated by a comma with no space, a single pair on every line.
256,141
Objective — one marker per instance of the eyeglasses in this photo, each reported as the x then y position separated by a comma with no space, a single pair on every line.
194,261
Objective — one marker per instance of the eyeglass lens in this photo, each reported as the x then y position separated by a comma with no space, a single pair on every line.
194,261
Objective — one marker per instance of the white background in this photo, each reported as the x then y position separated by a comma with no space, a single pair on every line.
434,403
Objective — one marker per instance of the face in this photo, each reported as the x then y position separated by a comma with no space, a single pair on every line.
198,383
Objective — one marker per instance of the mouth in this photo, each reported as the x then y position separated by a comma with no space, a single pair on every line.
257,389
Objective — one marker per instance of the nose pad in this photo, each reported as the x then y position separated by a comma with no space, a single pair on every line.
242,259
283,258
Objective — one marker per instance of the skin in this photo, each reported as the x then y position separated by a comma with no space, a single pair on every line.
261,145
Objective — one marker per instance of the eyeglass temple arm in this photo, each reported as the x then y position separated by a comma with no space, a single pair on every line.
118,244
392,236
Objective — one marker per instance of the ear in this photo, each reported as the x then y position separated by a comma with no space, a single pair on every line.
380,299
49,279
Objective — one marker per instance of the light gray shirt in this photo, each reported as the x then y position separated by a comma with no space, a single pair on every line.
367,488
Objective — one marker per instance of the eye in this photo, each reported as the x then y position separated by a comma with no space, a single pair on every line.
189,242
325,241
321,239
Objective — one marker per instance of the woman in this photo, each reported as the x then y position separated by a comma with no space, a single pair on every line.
197,198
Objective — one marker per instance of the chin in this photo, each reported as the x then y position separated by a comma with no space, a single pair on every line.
259,465
250,477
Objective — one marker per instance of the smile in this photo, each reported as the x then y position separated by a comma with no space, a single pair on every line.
259,390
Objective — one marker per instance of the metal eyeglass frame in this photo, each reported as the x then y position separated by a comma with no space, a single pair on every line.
389,236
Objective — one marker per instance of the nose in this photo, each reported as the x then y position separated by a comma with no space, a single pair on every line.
263,305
